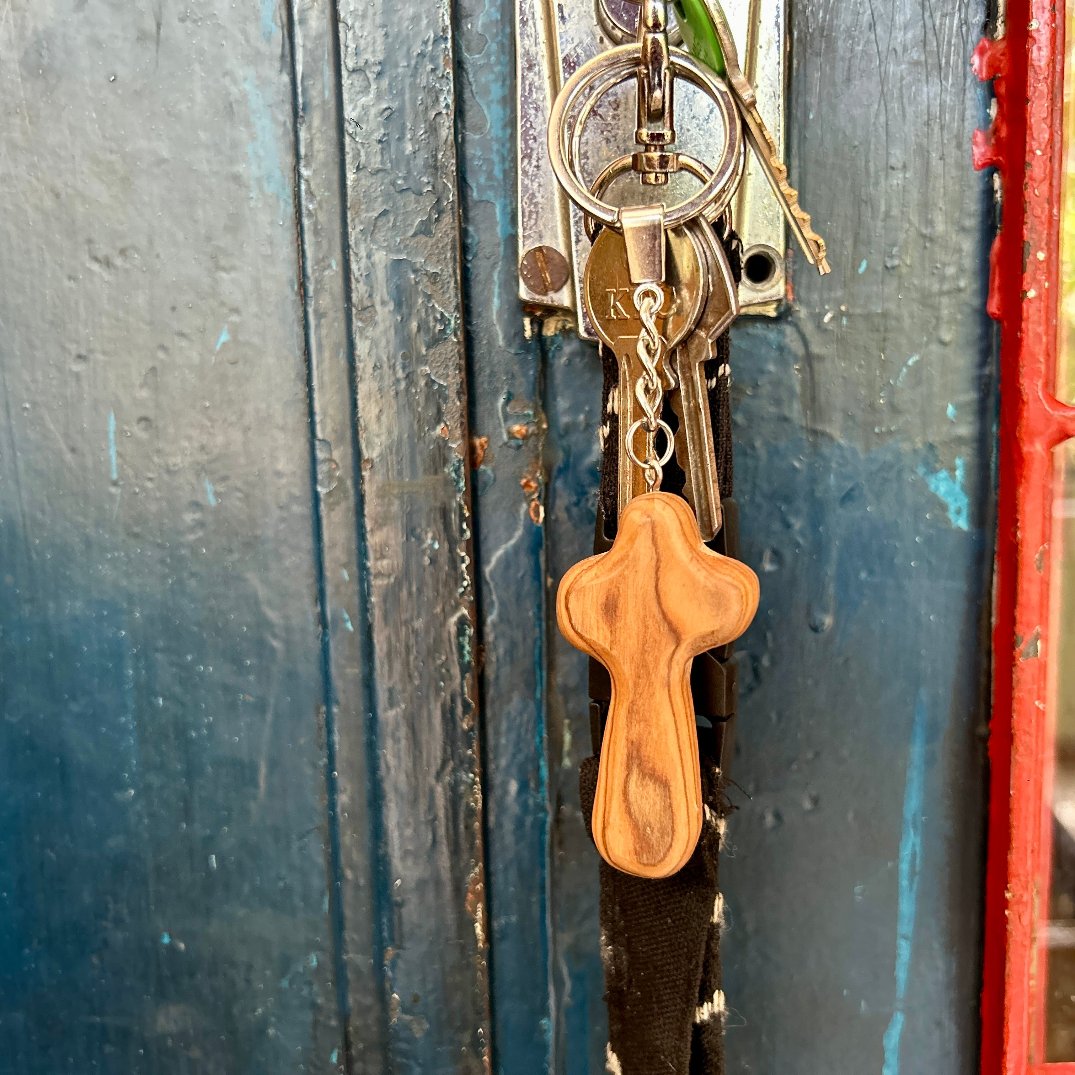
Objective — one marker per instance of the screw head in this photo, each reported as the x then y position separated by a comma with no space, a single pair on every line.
544,270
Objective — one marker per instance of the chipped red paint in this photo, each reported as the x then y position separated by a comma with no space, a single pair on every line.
1024,144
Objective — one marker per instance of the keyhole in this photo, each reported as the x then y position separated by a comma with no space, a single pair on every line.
759,268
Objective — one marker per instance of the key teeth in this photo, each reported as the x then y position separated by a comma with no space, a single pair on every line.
801,215
791,196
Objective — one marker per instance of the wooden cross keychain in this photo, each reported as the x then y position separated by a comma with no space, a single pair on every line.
645,609
659,598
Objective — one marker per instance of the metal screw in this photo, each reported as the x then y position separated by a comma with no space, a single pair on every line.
544,270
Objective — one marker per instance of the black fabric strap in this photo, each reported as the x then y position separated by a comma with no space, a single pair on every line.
661,952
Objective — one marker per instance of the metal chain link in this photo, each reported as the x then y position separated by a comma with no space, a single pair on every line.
651,350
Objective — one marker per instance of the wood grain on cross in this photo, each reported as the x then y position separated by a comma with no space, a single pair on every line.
645,609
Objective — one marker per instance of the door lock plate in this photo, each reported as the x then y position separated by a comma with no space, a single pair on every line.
553,39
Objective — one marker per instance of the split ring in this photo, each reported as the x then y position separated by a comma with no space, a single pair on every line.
596,78
669,446
622,165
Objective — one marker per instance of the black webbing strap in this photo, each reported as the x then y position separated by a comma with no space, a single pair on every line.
661,950
661,939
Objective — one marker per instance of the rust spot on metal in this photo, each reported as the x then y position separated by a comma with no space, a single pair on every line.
478,448
444,430
523,420
532,487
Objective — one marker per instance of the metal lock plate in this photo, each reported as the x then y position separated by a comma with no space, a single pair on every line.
554,38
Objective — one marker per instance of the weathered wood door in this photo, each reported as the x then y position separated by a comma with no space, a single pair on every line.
288,744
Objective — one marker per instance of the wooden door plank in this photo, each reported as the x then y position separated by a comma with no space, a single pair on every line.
573,400
398,95
865,471
163,821
358,893
506,369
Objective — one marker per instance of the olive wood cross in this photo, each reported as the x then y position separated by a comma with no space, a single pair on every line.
645,609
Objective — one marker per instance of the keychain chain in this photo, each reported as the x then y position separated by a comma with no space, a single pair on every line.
649,389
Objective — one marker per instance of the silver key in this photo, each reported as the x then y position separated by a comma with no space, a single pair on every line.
690,401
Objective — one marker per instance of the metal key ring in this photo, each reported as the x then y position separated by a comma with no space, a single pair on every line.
669,447
600,75
622,165
687,163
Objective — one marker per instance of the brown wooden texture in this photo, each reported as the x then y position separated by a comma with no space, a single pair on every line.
645,609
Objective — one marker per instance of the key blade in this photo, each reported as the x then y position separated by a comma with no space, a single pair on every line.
694,440
608,303
695,435
761,141
765,148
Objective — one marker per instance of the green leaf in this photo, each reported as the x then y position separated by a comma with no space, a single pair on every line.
699,34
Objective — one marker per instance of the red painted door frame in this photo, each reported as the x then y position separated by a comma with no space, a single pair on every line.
1025,145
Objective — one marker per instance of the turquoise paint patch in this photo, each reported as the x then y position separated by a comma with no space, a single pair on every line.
113,452
262,152
334,1056
210,494
863,264
910,868
347,622
268,18
166,938
950,410
950,488
223,338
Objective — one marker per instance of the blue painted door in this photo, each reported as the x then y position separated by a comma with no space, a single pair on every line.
289,744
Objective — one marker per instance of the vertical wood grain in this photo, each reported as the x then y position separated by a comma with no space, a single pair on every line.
508,424
357,891
398,96
865,427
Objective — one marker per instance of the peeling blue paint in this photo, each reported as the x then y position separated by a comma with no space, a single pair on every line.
863,264
166,938
263,151
950,410
210,494
910,865
223,338
113,454
268,18
951,489
912,361
347,622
